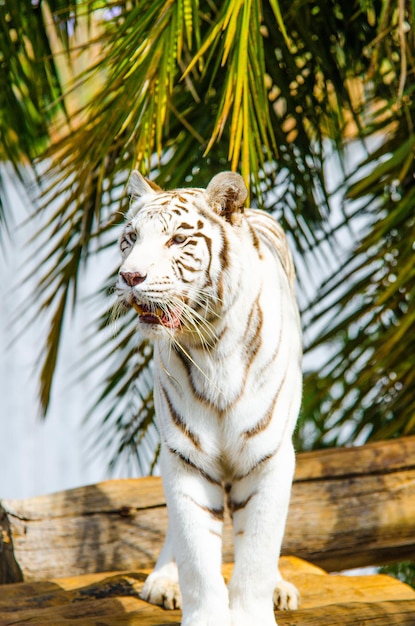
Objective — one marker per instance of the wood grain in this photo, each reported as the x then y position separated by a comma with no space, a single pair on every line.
113,599
349,508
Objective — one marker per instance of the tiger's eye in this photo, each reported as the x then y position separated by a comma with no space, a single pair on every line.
177,239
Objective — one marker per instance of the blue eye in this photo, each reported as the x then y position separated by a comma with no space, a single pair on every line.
128,240
178,239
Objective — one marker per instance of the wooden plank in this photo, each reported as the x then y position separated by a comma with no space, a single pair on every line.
110,497
384,614
349,508
113,600
377,457
353,521
88,543
350,614
364,614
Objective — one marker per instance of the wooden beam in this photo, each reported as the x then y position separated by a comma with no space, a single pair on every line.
113,598
350,507
354,507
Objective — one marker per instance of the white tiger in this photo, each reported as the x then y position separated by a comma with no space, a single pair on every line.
213,286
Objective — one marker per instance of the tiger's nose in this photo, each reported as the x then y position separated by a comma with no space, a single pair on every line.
133,278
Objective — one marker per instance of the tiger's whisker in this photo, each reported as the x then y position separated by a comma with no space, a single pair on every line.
187,355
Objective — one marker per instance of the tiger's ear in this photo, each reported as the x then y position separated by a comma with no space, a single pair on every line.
226,193
138,186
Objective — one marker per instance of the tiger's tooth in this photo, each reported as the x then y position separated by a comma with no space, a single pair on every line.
138,308
159,312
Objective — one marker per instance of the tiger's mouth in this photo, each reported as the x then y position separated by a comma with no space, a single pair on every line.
154,315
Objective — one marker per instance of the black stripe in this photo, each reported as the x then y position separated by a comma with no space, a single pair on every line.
179,422
261,461
234,507
208,242
217,514
254,341
192,465
187,364
255,240
263,423
224,263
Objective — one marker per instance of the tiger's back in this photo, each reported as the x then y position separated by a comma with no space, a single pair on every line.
217,297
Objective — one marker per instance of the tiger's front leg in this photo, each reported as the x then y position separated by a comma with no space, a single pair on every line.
195,506
162,585
259,504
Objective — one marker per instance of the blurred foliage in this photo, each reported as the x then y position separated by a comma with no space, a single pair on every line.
181,89
404,571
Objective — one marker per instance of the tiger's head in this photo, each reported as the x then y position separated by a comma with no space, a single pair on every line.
176,253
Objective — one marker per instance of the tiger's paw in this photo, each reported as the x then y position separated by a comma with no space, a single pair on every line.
286,596
162,590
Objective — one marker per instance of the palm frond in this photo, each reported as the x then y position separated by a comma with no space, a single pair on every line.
183,89
366,381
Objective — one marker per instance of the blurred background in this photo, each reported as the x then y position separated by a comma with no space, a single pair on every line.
311,101
40,456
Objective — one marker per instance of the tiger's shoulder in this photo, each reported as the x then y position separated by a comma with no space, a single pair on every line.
270,233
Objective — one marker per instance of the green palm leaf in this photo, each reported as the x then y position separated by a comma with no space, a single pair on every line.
183,89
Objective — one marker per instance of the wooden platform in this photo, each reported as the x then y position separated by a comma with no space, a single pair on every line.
112,599
349,508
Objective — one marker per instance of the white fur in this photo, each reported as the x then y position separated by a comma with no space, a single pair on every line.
233,390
